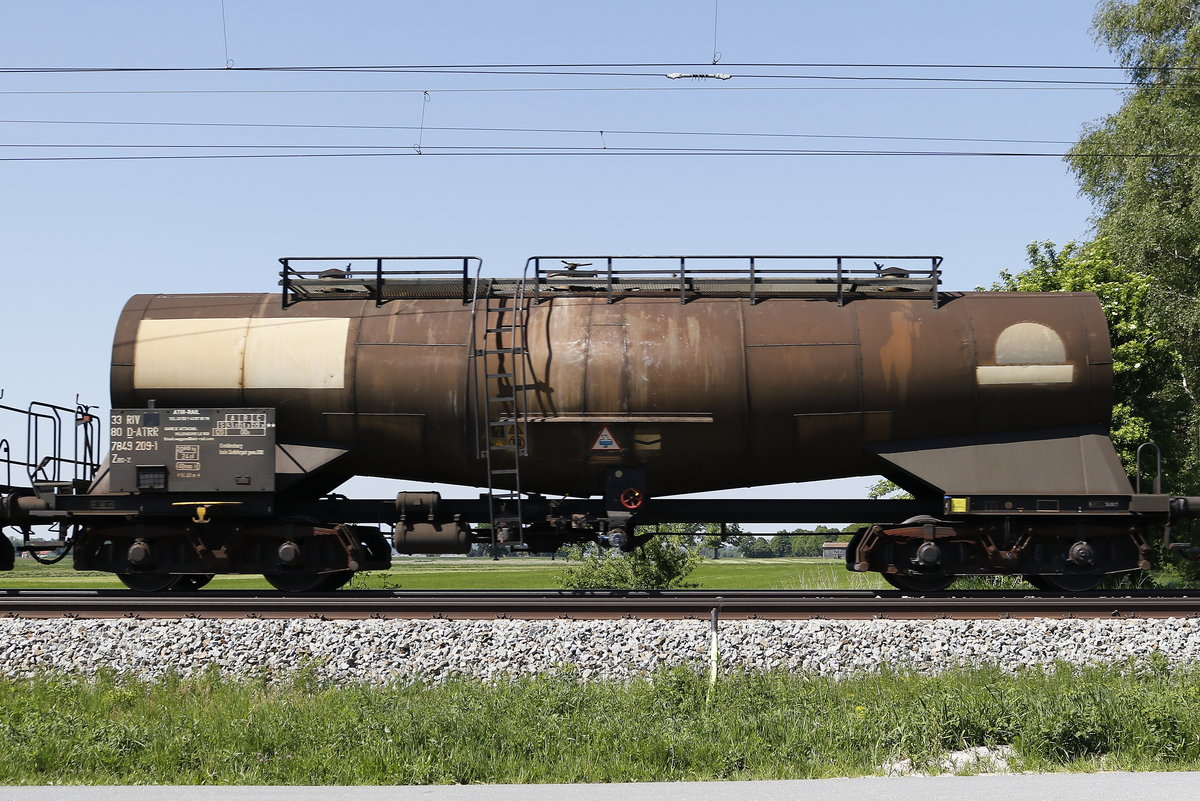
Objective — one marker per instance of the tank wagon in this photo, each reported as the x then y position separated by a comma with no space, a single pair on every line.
583,395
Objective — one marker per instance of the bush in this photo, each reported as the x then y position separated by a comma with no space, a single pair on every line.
662,563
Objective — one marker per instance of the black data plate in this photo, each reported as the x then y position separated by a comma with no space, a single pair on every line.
192,450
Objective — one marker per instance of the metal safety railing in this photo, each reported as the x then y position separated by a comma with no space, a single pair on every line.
61,443
755,278
1156,475
374,278
840,278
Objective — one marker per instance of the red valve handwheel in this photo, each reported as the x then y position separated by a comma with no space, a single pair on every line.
632,498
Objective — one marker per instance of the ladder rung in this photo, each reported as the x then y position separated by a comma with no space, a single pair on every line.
504,423
506,329
508,471
499,375
503,399
503,350
502,447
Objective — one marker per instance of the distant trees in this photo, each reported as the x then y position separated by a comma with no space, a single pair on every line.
800,542
714,543
717,537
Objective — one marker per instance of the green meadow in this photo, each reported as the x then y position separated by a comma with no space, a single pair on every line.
509,573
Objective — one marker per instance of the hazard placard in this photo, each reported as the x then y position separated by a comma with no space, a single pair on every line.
605,441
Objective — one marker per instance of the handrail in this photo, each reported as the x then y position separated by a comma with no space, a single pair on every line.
370,278
758,276
606,273
476,389
44,458
33,448
1157,483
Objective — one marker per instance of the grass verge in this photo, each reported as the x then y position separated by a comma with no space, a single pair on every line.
522,573
209,730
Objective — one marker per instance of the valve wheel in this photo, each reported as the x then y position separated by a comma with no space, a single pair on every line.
632,498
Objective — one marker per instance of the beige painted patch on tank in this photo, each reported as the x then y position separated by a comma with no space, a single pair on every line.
189,353
1027,353
302,353
1030,343
991,375
241,352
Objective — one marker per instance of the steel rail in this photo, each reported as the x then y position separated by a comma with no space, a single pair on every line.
472,604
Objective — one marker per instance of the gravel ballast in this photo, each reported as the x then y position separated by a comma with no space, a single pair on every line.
387,651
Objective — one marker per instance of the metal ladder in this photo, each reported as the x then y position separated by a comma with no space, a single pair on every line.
501,371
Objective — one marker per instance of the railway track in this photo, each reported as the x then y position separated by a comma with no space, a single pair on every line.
522,604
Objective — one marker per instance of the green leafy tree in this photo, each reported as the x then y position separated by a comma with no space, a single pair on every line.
781,545
883,488
662,563
714,543
1140,169
717,537
756,548
1137,165
807,544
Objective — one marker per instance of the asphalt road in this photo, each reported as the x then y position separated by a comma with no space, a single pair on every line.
1039,787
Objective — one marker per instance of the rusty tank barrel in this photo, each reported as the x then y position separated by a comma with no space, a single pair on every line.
714,393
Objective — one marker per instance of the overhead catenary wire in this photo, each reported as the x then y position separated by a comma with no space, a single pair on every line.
608,65
608,151
588,131
751,70
416,148
516,89
844,83
627,74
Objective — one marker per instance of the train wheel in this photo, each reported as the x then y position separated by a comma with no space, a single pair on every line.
309,582
1065,583
919,583
193,581
148,582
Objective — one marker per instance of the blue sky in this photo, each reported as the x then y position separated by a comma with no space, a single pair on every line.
78,237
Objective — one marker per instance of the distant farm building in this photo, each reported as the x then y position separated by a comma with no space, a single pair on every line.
834,550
